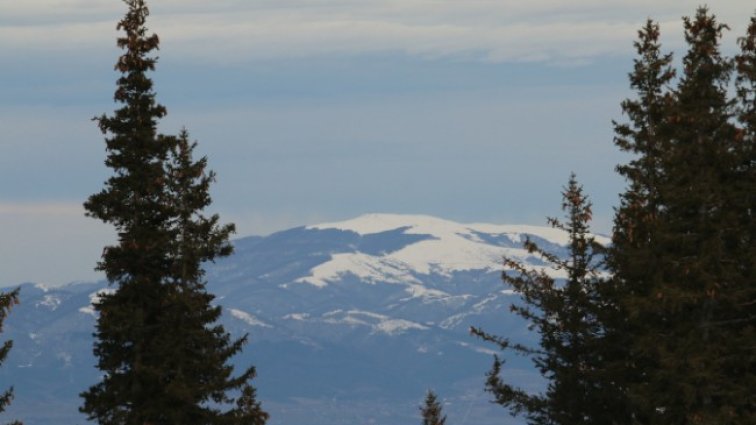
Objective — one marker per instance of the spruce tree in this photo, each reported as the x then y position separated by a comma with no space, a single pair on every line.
744,246
647,137
566,315
691,294
7,301
248,410
432,411
682,257
634,252
705,235
163,356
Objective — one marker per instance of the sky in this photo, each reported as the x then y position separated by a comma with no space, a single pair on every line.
322,110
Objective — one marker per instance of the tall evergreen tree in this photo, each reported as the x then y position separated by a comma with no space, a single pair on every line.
693,291
744,244
634,253
7,301
163,356
647,137
680,256
432,411
566,316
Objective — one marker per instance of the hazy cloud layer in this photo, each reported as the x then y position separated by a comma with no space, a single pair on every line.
231,30
49,242
55,243
320,110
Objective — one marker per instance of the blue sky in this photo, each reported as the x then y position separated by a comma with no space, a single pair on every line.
320,110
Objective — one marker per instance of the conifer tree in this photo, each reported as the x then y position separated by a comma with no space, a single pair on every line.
566,315
431,410
682,258
163,356
248,410
7,301
634,252
647,137
744,246
691,294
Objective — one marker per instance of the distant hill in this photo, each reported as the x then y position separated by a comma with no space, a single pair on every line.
349,322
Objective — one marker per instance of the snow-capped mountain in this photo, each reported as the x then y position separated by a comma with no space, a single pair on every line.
442,247
349,322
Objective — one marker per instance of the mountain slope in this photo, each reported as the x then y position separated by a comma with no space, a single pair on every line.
349,322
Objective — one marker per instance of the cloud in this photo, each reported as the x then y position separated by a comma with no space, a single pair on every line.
266,148
231,30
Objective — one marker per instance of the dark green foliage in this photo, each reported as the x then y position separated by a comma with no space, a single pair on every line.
669,338
248,410
646,136
162,353
7,301
431,410
566,315
743,246
682,254
634,252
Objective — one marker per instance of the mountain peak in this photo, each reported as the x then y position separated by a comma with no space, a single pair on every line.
373,223
373,307
446,248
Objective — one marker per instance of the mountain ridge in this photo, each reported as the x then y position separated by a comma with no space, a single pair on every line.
371,311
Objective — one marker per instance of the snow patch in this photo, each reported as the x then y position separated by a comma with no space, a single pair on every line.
248,318
297,316
346,320
453,321
366,267
51,302
452,247
477,349
88,310
420,291
481,305
397,326
368,224
373,223
95,298
379,323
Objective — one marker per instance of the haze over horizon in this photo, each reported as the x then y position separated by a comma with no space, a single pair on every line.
317,111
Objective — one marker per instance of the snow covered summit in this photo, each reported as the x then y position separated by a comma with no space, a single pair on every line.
369,311
445,247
